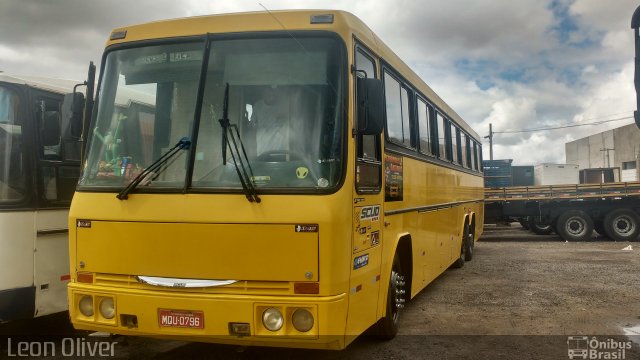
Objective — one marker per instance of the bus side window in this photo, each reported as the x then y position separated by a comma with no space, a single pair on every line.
58,177
369,168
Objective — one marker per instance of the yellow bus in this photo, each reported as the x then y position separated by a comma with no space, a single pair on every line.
275,179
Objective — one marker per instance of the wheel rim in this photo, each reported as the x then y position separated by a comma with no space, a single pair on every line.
397,293
575,226
623,225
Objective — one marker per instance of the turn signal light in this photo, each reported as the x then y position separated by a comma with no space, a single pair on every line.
306,288
86,278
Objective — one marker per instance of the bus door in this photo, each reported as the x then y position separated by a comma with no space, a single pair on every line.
366,257
58,168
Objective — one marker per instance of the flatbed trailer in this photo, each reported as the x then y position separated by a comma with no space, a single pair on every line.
572,211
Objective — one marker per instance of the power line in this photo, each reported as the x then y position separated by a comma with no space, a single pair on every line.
562,126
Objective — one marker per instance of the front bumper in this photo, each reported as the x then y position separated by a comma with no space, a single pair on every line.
218,312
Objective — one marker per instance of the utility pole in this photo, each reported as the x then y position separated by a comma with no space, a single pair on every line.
490,137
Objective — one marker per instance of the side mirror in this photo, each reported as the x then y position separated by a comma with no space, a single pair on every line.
72,116
370,101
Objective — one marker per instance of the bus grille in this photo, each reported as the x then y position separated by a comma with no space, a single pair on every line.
239,287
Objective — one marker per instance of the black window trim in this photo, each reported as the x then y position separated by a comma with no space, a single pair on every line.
414,152
359,47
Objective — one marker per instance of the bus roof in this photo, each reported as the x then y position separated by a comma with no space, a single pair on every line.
61,86
344,23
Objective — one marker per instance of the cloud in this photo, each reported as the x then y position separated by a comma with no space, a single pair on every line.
515,64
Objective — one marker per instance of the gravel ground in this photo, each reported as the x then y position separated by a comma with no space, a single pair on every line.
521,297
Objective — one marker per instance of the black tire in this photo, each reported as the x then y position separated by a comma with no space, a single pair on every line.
524,222
387,327
538,228
469,240
574,225
622,225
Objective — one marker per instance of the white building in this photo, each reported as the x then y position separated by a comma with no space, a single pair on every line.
617,148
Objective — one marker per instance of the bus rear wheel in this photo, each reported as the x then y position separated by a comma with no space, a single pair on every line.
387,327
622,225
469,243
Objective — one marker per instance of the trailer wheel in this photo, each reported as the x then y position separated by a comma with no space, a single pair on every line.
524,222
622,225
574,225
539,228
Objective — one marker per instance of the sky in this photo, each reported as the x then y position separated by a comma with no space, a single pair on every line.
515,64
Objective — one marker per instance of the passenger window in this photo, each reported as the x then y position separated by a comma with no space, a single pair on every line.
49,127
367,144
393,104
442,144
423,128
474,156
12,161
454,144
463,147
368,164
58,172
398,117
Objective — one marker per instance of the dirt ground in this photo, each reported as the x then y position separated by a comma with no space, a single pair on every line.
521,297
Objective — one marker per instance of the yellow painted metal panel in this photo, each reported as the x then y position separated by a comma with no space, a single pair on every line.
199,251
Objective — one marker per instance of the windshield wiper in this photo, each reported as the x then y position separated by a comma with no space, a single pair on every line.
245,179
183,144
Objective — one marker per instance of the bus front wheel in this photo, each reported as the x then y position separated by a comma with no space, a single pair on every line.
387,327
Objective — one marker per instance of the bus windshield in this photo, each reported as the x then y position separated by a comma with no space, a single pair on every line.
11,159
284,108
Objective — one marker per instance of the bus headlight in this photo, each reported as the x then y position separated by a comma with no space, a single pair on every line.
107,308
85,305
302,320
272,319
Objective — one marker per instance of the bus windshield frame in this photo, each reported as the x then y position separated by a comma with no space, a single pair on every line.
287,106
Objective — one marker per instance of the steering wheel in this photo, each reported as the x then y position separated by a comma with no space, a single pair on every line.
279,156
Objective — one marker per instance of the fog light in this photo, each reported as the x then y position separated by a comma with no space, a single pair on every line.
302,320
85,305
272,319
107,308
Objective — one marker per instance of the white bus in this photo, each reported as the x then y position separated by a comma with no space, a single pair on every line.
39,168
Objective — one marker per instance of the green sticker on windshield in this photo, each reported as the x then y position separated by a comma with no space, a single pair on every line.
302,172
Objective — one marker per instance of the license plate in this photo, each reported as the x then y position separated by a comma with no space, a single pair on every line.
181,318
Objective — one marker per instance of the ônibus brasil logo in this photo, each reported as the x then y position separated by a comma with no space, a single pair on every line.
583,347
